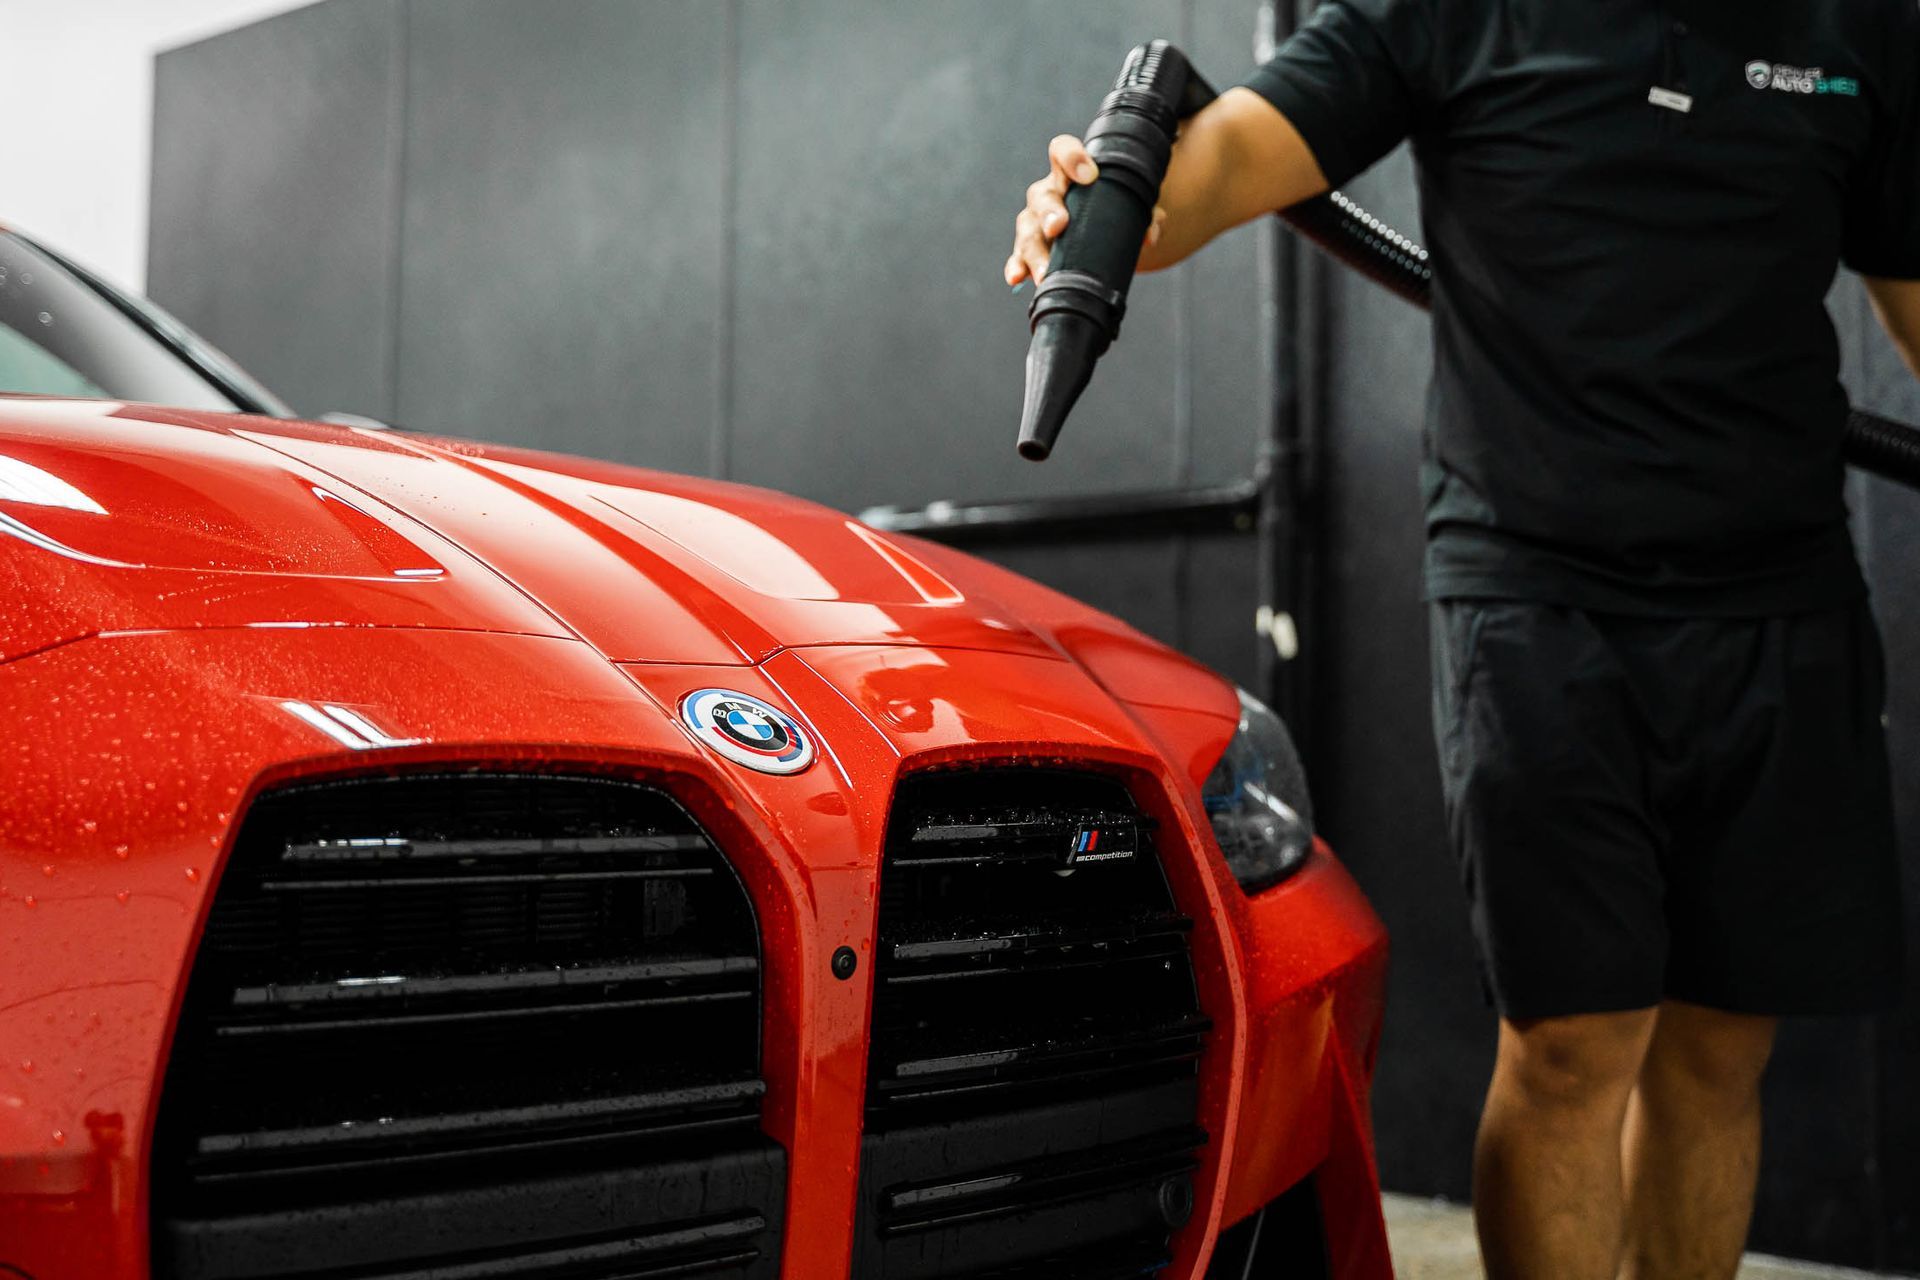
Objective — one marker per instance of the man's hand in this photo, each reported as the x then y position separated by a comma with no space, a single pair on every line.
1045,216
1234,161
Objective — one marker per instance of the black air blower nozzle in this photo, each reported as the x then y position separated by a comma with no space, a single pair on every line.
1077,307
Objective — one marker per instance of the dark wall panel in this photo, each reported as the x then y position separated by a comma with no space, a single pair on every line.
1222,404
275,160
564,243
883,149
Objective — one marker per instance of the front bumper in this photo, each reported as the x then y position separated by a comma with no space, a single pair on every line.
135,754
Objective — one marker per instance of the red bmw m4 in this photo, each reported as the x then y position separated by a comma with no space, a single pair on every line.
423,859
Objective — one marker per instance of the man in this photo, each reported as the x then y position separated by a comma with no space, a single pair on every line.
1657,686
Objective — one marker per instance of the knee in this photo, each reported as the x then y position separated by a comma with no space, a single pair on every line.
1575,1063
1700,1054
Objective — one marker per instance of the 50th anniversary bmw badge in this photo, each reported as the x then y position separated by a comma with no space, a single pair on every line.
747,731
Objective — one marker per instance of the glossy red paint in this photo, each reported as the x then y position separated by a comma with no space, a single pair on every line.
501,607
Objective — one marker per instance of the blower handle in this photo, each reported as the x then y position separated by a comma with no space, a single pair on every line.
1077,307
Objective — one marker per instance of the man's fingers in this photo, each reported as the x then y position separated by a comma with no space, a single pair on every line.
1030,250
1043,200
1070,159
1030,246
1037,257
1045,216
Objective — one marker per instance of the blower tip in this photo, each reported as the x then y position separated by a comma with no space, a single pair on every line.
1060,361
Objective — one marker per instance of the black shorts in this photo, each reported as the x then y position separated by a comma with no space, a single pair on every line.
1694,808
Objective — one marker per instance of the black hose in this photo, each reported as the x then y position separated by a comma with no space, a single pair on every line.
1886,448
1354,237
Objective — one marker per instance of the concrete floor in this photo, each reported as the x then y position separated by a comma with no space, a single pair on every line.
1433,1240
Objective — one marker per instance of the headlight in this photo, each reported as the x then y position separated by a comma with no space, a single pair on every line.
1257,799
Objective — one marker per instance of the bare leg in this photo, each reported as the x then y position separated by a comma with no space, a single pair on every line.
1547,1182
1692,1146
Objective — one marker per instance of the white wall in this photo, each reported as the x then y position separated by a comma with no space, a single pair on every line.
76,92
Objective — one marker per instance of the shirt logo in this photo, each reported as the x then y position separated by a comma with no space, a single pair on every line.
1778,75
747,731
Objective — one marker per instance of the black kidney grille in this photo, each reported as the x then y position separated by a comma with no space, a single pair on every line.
1032,1084
469,988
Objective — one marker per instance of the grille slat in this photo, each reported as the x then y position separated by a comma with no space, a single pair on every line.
709,1249
395,849
1032,1087
534,878
581,1264
460,988
677,1103
404,987
1077,1062
381,1023
1040,936
1143,1163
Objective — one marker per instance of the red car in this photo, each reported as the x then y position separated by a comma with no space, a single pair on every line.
423,859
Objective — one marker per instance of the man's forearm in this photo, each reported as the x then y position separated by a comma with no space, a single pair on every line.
1236,160
1897,304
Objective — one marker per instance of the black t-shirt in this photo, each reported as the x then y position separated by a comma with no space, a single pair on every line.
1635,211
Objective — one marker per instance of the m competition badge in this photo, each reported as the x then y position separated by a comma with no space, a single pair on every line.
747,731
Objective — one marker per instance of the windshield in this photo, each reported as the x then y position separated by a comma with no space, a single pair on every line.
63,333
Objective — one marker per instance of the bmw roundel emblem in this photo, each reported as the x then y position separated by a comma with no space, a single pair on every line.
747,731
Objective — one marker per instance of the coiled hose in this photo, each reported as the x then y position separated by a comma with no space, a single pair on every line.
1354,237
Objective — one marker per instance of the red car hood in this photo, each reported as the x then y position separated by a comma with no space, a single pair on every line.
123,518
